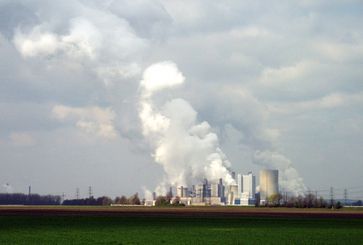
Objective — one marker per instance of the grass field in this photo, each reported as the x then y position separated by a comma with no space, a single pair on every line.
162,229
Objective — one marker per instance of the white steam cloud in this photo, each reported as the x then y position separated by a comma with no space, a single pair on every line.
187,150
289,178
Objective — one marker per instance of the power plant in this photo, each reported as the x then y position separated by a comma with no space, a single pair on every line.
242,192
269,184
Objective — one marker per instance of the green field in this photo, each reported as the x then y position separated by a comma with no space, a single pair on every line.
182,230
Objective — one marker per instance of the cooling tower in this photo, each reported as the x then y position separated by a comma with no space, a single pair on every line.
269,183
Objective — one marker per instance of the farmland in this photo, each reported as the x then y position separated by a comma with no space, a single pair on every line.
140,225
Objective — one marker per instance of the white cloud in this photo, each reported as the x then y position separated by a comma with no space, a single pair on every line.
102,42
109,73
286,74
339,52
93,120
37,43
249,32
81,42
330,101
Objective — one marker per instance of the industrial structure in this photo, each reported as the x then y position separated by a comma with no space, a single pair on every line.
241,192
248,194
269,184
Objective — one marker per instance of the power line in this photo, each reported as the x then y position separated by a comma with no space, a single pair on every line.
356,192
355,187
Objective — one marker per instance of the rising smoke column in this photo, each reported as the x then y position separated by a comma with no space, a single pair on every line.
187,150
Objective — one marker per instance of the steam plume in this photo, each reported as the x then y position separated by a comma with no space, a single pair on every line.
290,179
187,150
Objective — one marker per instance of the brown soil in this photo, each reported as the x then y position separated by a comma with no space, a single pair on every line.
179,212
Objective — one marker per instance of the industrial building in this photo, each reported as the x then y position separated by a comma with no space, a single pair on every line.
247,189
269,184
242,192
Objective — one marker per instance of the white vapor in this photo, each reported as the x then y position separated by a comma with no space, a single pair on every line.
245,126
289,178
187,150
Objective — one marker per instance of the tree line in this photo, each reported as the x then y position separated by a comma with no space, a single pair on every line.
105,201
32,199
36,199
277,200
307,201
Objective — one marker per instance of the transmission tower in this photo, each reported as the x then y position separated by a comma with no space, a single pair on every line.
77,193
345,197
89,191
331,196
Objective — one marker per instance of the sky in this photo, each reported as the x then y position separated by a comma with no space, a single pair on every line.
280,84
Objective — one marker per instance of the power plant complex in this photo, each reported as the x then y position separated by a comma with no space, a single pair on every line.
243,192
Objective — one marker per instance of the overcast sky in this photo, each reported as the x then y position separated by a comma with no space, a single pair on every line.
282,77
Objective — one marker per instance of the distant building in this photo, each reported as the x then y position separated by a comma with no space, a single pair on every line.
249,190
182,191
147,203
269,184
221,190
198,193
232,194
243,192
239,184
207,193
214,189
249,184
170,193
